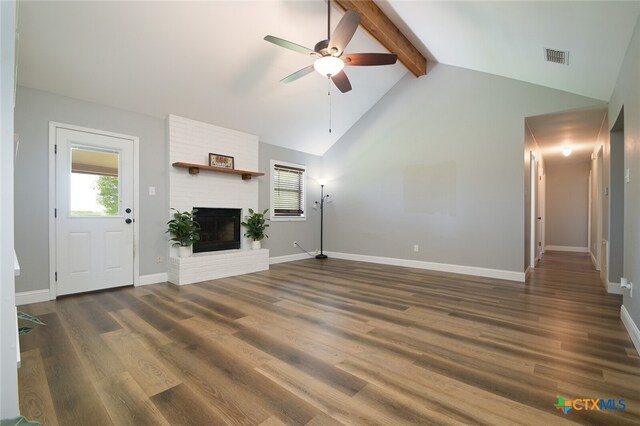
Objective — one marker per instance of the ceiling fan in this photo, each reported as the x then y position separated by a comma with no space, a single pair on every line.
330,59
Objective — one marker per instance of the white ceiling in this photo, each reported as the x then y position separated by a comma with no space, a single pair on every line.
508,38
203,60
207,60
577,130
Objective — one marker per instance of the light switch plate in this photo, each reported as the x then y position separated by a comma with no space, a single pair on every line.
152,190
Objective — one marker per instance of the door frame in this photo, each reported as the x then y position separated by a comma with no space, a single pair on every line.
599,207
541,213
53,126
533,165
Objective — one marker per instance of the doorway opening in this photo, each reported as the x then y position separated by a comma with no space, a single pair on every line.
616,206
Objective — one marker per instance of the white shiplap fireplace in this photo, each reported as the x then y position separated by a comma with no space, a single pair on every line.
191,141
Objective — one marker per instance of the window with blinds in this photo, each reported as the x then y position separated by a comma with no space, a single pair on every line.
288,190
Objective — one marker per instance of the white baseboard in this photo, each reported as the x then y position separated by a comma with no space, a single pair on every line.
34,296
568,248
441,267
631,327
614,288
288,258
153,279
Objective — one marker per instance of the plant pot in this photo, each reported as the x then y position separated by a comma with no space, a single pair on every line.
184,251
255,245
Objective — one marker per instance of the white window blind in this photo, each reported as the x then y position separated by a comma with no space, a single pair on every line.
288,191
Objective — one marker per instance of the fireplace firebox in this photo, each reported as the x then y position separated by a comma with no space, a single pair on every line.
219,229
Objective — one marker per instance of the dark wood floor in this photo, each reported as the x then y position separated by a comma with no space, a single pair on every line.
335,342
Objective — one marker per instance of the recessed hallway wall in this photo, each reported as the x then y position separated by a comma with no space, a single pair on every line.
567,206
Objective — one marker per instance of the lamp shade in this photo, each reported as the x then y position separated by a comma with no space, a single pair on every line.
328,65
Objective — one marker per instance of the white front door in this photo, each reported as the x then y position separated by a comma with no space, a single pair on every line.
94,211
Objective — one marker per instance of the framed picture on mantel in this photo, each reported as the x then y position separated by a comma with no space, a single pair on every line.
224,161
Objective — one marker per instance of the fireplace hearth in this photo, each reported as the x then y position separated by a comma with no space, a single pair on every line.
219,229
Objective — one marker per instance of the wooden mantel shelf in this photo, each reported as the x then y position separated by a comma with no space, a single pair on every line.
194,169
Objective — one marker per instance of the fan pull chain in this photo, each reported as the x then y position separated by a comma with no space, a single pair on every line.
329,95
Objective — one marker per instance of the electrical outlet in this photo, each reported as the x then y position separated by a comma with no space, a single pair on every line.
416,248
295,244
158,259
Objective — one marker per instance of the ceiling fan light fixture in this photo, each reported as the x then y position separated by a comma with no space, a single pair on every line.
328,66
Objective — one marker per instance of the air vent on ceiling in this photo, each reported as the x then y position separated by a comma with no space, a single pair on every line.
556,56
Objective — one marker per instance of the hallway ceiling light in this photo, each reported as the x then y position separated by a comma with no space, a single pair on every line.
566,152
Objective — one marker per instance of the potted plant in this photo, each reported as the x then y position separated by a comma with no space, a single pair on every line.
184,231
256,223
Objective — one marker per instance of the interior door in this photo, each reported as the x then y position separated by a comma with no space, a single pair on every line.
94,211
539,211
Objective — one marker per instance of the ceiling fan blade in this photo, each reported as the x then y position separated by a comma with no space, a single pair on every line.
296,75
342,82
343,33
289,45
368,59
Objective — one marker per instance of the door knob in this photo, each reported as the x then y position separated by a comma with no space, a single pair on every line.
128,210
127,220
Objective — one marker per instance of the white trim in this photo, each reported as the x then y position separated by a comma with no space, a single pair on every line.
53,125
442,267
569,248
16,264
152,279
532,207
593,259
589,208
527,271
34,296
631,327
288,258
136,209
614,288
53,287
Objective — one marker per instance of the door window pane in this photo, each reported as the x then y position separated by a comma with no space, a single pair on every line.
95,189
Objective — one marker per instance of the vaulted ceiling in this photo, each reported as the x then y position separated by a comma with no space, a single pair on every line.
208,60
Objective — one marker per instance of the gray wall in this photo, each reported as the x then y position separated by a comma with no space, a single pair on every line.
593,207
282,234
567,204
438,163
34,110
627,94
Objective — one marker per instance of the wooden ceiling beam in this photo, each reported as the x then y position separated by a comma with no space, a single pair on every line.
385,31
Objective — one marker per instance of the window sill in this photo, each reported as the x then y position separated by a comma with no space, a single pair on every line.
288,219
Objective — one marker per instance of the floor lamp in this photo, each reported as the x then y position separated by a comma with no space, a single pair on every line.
322,198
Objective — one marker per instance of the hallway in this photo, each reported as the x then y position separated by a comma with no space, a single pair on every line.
589,319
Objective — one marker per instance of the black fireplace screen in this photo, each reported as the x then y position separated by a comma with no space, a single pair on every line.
220,229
